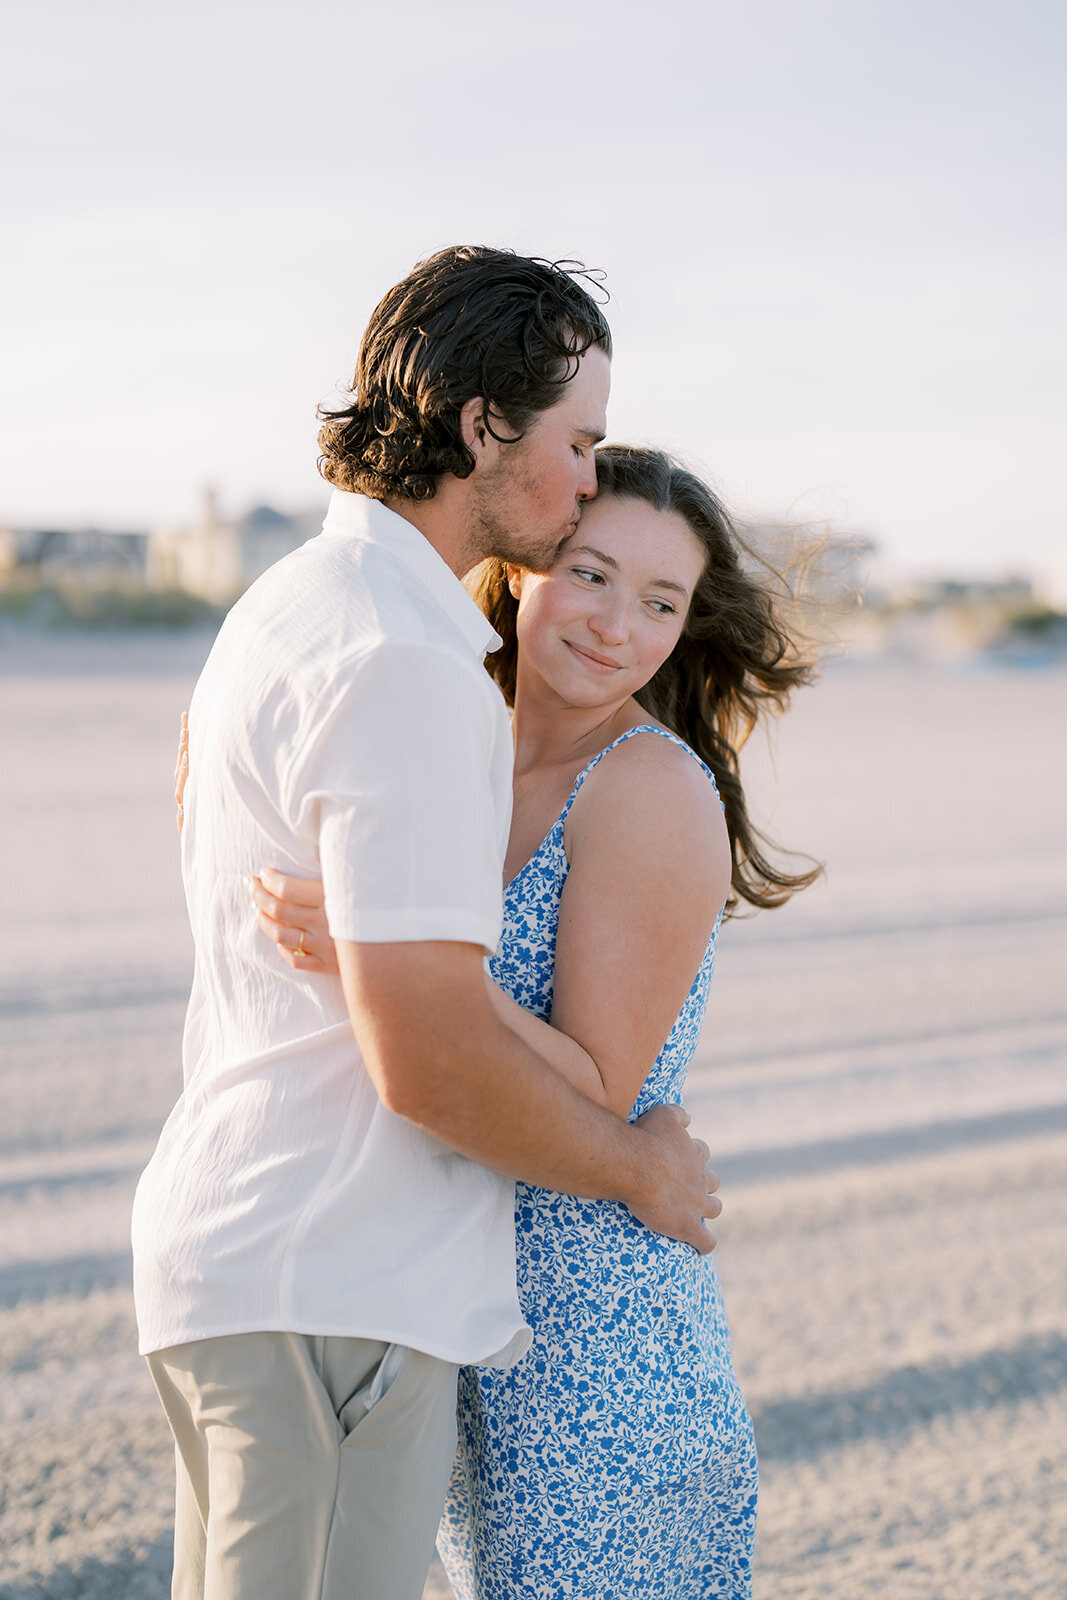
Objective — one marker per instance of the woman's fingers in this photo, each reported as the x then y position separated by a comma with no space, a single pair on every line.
292,913
299,952
300,932
181,769
298,891
183,743
268,905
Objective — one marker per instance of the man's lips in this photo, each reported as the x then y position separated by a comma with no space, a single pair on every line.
604,662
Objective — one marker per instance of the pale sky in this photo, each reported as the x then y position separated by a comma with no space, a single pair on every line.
833,235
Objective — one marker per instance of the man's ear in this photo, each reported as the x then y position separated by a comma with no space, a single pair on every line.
475,434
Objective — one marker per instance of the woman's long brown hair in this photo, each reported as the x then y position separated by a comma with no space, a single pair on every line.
735,663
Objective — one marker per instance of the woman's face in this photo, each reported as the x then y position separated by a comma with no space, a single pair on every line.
602,622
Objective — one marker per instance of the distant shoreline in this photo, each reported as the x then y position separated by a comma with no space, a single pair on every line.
34,649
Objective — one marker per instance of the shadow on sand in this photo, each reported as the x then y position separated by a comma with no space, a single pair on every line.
890,1144
71,1277
910,1397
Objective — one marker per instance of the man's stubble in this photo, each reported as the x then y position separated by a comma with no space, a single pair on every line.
495,516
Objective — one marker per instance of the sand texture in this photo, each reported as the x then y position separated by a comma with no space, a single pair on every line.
882,1079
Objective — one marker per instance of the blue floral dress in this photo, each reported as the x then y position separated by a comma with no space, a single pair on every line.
616,1460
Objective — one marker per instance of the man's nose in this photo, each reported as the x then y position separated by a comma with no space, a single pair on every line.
587,477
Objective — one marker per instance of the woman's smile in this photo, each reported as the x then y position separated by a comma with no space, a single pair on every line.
599,662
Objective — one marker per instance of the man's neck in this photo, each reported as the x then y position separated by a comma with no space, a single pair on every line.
442,522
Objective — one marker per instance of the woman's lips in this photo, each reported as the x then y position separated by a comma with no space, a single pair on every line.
603,662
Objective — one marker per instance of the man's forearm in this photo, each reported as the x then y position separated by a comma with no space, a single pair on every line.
439,1055
504,1110
516,1117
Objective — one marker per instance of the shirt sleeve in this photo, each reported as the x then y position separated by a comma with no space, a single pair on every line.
400,787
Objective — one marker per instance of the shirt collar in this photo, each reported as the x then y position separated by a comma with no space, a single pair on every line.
357,516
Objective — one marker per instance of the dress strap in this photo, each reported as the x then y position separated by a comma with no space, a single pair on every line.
643,727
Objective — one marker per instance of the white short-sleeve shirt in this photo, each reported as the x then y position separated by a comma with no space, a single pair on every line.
344,724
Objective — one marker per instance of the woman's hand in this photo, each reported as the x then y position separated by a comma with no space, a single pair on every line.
292,913
181,769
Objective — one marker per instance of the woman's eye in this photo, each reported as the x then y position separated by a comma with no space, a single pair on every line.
663,607
587,572
578,450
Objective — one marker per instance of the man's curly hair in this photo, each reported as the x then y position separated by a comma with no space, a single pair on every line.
468,322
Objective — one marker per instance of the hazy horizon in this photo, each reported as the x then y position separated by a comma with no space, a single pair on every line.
832,235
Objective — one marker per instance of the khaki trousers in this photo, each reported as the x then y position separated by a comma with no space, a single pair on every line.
307,1468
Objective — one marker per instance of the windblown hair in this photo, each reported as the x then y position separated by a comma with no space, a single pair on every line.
735,662
469,322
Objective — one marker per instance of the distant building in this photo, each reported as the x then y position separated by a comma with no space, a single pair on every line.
217,558
9,552
53,554
935,594
1051,588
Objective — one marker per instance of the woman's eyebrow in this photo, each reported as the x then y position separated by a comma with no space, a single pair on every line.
587,549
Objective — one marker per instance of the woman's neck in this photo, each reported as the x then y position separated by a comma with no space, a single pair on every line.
550,733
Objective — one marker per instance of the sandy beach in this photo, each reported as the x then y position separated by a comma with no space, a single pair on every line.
882,1081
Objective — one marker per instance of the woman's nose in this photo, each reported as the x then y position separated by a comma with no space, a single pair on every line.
608,622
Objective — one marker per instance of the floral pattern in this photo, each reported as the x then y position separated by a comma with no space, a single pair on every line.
616,1460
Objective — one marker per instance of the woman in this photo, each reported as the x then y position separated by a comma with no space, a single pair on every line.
617,1458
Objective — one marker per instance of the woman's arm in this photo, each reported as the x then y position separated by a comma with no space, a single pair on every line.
561,1052
650,871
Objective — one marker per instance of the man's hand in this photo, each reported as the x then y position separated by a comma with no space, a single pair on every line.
681,1183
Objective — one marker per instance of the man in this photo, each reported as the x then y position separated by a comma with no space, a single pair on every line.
322,1235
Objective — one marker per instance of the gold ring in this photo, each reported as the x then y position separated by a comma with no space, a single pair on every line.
300,951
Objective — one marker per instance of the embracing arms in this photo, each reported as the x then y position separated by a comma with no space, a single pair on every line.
448,1062
448,1051
468,1067
650,869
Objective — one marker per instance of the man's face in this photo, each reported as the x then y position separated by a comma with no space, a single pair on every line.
529,500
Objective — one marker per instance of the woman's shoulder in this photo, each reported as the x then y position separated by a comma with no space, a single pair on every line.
649,774
648,813
648,754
